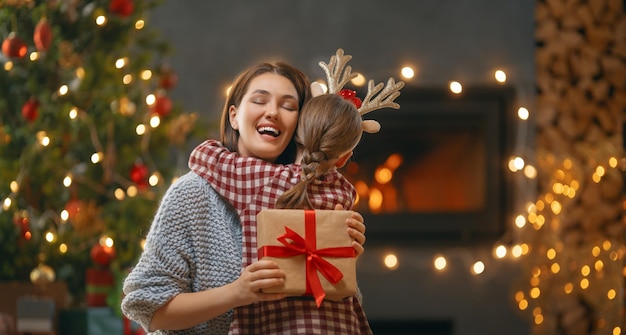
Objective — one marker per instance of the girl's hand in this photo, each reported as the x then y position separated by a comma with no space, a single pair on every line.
257,276
356,230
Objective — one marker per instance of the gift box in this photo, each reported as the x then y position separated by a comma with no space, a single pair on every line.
313,248
99,284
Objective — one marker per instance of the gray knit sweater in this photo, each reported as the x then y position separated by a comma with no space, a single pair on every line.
194,244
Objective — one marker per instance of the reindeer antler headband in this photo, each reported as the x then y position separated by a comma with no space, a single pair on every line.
338,74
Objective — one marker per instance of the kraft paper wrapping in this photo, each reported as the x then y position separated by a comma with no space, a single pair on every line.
331,232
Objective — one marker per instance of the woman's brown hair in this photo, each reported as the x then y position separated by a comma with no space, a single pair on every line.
328,127
229,136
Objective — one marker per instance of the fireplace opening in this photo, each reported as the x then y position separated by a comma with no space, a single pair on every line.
437,168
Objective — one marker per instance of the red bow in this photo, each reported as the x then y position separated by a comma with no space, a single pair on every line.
295,244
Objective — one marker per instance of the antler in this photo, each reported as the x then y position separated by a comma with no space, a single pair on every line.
334,68
384,99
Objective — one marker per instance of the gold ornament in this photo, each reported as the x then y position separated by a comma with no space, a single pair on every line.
42,274
180,127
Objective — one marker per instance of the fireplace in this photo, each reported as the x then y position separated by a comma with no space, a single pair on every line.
436,170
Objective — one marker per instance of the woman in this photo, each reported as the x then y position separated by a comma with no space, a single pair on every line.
189,276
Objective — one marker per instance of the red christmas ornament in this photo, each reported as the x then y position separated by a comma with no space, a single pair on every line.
43,35
14,47
162,105
139,174
351,95
72,207
30,110
168,79
102,255
122,7
23,224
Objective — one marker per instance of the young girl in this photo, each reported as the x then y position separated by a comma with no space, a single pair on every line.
329,128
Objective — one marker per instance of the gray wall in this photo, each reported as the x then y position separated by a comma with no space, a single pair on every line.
463,40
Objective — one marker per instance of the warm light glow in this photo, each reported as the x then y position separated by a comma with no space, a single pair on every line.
67,181
530,172
96,157
456,87
155,121
62,248
598,265
523,304
50,237
520,221
595,251
556,207
584,283
383,175
6,204
407,72
600,170
611,294
63,90
478,267
65,215
393,161
391,261
150,99
140,129
142,243
551,253
131,191
119,194
500,76
44,140
14,186
516,251
519,296
73,113
523,113
106,241
146,74
606,245
613,162
555,268
585,270
227,91
534,293
359,80
154,179
8,66
33,56
376,199
440,262
500,251
127,79
617,331
80,73
121,62
140,24
568,288
101,20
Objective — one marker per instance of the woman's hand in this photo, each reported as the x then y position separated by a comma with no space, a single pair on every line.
256,277
356,230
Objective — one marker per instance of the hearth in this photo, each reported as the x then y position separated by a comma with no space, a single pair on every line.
437,169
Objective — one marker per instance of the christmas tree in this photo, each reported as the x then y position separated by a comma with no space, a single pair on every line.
88,134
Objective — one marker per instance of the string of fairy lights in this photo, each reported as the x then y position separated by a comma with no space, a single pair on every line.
530,216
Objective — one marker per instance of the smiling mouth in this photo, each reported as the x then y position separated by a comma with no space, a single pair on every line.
269,131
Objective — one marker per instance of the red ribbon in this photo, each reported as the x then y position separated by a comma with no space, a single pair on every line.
294,244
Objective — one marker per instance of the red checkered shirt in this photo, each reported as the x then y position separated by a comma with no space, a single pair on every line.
251,185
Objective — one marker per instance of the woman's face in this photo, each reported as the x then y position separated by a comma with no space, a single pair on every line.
266,118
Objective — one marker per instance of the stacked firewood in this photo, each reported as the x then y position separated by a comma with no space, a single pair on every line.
580,113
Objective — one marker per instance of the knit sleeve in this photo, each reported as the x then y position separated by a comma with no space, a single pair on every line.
163,270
